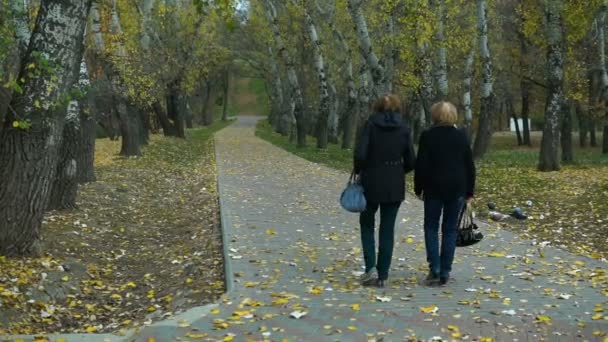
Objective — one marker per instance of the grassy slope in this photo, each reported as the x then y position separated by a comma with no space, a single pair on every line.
121,243
572,201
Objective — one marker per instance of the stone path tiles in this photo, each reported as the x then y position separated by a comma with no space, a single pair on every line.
291,244
292,248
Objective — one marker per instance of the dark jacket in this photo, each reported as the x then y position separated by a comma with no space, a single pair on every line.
444,169
383,156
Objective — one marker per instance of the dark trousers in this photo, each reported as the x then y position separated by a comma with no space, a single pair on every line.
388,214
440,263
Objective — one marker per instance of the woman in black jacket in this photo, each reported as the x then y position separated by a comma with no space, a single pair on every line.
444,179
383,156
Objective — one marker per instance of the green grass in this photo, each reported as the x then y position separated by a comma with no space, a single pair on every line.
334,156
180,152
248,95
573,200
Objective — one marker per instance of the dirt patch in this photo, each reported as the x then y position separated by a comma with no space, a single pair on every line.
144,244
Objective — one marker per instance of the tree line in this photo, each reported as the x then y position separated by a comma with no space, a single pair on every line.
74,69
498,60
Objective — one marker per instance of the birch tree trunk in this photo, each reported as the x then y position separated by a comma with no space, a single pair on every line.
525,86
130,143
466,92
484,130
427,91
363,94
549,150
334,119
566,131
513,116
441,64
226,88
380,83
582,128
323,114
392,54
65,186
601,38
29,155
21,25
86,152
282,115
349,113
65,183
13,60
295,91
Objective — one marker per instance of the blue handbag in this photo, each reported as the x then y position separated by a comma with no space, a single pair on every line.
353,198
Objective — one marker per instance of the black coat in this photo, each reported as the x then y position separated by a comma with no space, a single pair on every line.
383,156
444,169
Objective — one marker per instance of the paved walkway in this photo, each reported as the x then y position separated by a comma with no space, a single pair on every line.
294,250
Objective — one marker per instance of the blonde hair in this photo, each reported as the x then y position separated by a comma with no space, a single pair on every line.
387,103
444,113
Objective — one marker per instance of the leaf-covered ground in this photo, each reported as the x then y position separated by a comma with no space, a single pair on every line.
144,243
569,208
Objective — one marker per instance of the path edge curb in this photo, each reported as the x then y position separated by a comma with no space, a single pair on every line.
225,224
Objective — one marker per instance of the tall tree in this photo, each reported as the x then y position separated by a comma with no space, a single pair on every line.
549,151
466,92
324,100
381,83
295,91
441,63
601,38
130,143
566,131
484,130
31,135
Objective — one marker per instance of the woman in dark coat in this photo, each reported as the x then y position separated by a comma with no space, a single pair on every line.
444,179
383,156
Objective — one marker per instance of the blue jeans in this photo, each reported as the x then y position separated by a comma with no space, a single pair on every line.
441,264
386,235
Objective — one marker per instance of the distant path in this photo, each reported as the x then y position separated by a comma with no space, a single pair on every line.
293,245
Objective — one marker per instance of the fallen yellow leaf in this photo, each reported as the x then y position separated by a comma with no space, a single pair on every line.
196,335
356,307
429,309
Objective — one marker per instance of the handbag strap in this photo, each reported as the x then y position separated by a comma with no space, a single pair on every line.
466,216
352,178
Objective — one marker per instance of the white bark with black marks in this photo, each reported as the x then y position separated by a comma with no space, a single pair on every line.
466,91
323,88
349,113
21,26
484,129
296,98
601,39
334,118
427,91
29,156
441,64
381,84
549,151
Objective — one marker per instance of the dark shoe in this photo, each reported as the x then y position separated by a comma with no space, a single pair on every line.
443,281
368,278
381,283
431,279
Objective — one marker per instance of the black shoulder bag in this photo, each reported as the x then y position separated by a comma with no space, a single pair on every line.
468,231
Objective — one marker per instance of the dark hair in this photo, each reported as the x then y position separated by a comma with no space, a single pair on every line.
387,103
